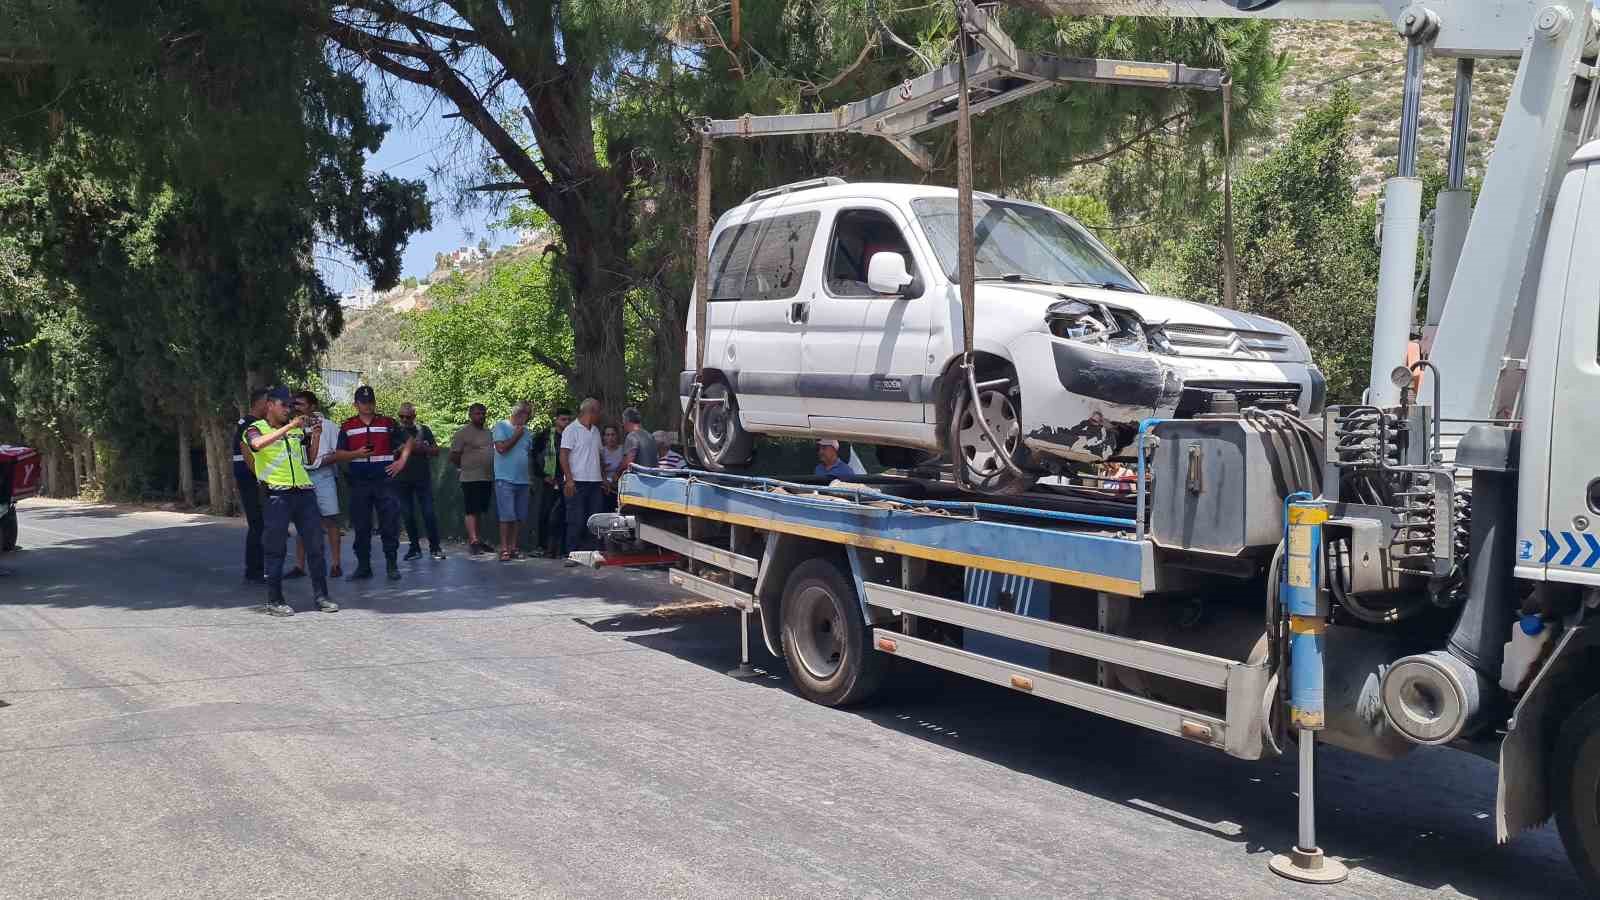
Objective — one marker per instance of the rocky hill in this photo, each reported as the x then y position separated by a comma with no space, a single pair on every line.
373,340
1370,59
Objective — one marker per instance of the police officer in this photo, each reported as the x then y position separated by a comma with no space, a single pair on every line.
249,490
280,450
378,450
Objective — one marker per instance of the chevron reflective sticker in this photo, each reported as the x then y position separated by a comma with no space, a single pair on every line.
1572,548
1579,551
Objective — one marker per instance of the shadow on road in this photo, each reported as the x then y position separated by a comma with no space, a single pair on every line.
1426,820
200,566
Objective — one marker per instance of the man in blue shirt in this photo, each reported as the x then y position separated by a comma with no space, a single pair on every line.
829,465
513,472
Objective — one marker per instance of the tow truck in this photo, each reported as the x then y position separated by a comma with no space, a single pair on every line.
1418,569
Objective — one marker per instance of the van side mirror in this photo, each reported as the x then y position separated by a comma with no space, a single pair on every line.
886,274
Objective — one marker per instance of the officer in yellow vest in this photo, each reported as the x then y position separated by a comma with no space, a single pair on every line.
280,449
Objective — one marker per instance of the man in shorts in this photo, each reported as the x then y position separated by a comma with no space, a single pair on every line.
472,451
323,469
513,472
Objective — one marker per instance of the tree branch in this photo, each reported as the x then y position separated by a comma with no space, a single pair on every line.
388,12
861,59
564,369
1100,157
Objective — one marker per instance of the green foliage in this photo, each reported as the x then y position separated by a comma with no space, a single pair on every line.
176,167
489,342
1305,248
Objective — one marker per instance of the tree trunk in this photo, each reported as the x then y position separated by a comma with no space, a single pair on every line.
185,465
599,366
667,348
219,466
54,470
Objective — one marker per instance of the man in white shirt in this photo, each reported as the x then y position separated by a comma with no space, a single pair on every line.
323,436
580,465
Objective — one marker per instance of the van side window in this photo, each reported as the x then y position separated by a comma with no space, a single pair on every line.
857,234
764,259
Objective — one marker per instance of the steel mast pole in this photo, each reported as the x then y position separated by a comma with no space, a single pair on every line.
1402,224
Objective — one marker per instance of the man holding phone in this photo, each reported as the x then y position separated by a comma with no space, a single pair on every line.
321,438
280,450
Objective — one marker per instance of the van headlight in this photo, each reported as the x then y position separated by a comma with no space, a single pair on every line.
1105,326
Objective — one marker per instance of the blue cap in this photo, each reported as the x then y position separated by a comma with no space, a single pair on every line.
280,394
364,394
1531,625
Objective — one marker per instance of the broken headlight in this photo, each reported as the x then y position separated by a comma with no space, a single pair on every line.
1102,325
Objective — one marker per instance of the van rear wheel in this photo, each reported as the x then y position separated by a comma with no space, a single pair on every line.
720,440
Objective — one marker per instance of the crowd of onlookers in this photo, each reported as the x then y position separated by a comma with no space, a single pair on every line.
556,476
543,483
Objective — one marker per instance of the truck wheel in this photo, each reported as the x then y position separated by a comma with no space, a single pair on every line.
825,640
8,531
1575,791
720,440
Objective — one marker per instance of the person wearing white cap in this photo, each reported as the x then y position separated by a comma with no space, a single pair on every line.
829,465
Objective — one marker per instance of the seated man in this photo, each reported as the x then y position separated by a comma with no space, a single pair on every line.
829,465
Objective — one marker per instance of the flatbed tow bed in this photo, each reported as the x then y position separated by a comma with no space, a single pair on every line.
1014,595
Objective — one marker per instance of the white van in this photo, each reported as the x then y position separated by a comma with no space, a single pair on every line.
834,311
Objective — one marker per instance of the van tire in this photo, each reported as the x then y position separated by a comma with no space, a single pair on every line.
720,440
826,642
1004,406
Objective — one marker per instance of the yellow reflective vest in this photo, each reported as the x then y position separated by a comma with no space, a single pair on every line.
281,464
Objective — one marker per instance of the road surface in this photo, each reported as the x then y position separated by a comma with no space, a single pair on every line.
525,729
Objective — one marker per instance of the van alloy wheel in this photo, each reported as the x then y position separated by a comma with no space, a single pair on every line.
982,458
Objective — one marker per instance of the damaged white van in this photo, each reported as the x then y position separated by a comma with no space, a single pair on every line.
834,311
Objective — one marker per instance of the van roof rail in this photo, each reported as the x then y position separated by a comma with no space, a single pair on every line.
808,184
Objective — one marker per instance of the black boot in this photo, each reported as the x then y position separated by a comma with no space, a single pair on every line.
363,570
394,569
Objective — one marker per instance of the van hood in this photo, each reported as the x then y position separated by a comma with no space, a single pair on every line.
1152,308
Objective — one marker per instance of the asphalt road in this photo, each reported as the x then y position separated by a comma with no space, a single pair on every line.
524,729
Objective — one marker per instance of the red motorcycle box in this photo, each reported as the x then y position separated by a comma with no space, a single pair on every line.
22,467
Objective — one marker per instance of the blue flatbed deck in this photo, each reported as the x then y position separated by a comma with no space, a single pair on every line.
1093,552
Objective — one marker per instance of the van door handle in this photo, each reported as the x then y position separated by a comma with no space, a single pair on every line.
799,312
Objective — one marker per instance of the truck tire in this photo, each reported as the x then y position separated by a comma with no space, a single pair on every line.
1575,791
826,642
8,531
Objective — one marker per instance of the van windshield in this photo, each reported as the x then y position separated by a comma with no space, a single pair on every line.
1019,242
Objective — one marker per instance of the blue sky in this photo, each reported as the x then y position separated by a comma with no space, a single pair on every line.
420,144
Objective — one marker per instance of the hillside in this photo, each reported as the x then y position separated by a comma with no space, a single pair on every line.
1370,60
373,338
